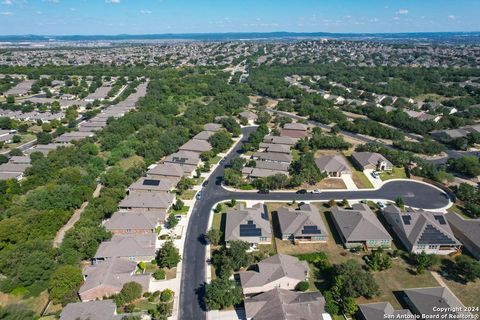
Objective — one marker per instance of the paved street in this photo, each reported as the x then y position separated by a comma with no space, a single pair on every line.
415,194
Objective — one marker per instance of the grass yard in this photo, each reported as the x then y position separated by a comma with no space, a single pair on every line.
397,173
467,293
327,183
459,210
187,195
130,162
215,160
184,210
170,273
34,303
361,180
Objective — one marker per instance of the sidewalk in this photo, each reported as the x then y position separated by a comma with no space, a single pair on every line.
347,179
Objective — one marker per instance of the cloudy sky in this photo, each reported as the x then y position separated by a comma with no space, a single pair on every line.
62,17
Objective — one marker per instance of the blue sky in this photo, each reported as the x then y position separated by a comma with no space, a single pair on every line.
63,17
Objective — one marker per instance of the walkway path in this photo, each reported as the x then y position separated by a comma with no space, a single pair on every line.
73,219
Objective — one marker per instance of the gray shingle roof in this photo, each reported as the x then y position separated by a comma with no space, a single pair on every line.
378,310
154,200
235,217
92,310
153,184
425,299
127,246
196,146
273,269
332,163
359,224
167,170
294,221
134,220
370,159
286,305
465,228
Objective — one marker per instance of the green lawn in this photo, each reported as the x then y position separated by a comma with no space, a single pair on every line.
184,210
215,160
397,173
361,180
187,195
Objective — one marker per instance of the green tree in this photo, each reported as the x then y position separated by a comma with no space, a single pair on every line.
64,284
166,295
302,286
467,268
131,291
214,236
168,255
172,220
16,312
221,141
222,293
159,274
399,202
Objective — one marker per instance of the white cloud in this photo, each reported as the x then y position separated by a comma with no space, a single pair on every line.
8,2
451,17
145,11
402,11
112,1
396,18
72,9
52,1
6,13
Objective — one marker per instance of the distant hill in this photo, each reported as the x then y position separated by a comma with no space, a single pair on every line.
450,37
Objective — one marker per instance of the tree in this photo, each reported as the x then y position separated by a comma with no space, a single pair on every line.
378,261
399,202
469,166
44,138
64,284
166,295
222,293
168,255
465,191
214,236
302,286
16,312
221,141
10,99
306,170
16,139
467,268
352,281
424,261
178,205
131,291
172,221
232,178
349,306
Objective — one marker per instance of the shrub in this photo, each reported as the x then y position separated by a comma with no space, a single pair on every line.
166,295
159,274
302,286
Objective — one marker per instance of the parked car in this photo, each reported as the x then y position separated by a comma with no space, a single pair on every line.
375,174
316,191
301,191
199,195
264,191
205,183
381,205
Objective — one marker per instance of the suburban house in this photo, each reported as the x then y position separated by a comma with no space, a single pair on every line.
249,115
204,135
467,231
280,140
278,271
333,165
265,169
248,224
431,301
359,226
106,278
92,310
294,130
380,310
139,201
196,146
167,171
372,161
285,304
73,136
20,160
187,160
421,230
274,148
134,222
212,127
133,247
302,225
145,184
272,157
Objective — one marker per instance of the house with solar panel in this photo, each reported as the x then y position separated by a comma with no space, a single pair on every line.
248,224
421,230
302,225
145,184
188,161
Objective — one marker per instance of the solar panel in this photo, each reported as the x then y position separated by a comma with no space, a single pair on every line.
440,219
432,235
179,159
151,182
311,230
406,220
250,230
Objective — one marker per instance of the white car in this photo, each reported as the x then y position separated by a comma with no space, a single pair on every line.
316,191
381,205
375,174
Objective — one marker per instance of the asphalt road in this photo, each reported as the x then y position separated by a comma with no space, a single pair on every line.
414,193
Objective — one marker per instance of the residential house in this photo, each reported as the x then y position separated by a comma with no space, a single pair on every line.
302,225
145,184
421,230
381,310
372,161
467,231
280,140
265,169
249,115
187,160
285,304
167,171
73,136
333,165
133,247
274,148
278,271
106,278
248,224
215,127
196,146
92,310
138,201
294,130
134,222
359,226
203,135
272,157
435,302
